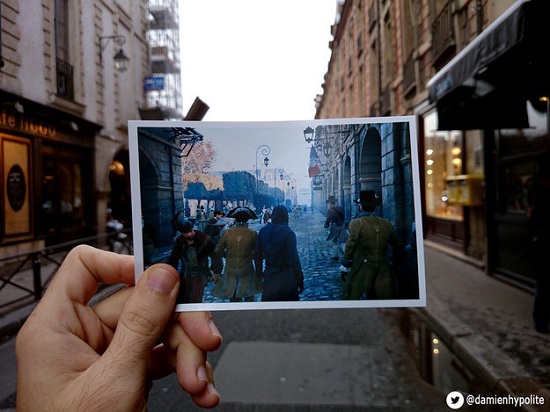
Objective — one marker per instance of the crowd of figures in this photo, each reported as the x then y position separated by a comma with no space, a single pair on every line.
240,261
244,263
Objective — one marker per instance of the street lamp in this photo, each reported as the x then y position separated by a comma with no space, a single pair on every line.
266,150
121,60
309,134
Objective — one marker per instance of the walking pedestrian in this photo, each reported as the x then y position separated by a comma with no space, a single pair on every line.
282,276
239,281
366,253
201,218
214,225
193,249
338,234
407,273
538,216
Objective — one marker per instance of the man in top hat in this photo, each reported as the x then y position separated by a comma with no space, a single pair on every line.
335,221
366,253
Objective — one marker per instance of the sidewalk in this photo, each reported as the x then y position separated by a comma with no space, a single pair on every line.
487,325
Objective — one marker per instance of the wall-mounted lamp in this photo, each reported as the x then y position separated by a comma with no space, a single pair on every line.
121,60
19,108
185,138
323,133
72,125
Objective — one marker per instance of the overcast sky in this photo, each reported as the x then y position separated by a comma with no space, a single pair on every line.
255,60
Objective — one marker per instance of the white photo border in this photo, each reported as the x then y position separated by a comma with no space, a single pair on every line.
133,127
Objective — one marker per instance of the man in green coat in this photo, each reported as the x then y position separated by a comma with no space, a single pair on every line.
366,253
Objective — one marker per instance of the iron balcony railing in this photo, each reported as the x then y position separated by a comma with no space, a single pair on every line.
65,81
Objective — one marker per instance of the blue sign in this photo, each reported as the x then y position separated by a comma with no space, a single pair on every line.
153,83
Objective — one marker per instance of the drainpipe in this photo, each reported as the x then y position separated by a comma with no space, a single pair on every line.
479,17
379,28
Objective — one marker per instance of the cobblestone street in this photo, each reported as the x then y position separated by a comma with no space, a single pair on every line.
321,275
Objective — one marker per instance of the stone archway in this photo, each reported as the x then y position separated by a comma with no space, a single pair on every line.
370,167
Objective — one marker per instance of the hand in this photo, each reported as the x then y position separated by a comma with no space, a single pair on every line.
71,356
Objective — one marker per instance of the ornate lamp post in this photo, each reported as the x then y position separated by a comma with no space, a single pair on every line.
121,60
266,150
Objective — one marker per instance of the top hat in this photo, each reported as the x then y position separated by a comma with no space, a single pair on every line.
368,198
331,199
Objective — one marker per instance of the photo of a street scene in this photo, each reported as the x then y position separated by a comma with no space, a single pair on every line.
280,214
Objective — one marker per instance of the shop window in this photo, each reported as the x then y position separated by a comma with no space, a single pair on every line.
515,183
63,204
444,158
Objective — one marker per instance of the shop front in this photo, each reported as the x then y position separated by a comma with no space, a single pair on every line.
453,187
486,136
46,175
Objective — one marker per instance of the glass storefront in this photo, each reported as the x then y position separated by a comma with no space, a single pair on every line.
519,155
65,200
443,162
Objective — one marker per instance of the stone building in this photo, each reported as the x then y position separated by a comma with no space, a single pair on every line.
72,74
357,156
474,75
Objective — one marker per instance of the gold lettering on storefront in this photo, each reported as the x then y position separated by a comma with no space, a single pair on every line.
7,120
27,124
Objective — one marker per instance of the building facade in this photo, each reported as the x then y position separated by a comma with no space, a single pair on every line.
472,72
72,73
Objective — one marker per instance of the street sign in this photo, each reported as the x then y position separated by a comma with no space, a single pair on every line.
153,83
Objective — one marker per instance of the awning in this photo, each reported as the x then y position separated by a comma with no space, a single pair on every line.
487,84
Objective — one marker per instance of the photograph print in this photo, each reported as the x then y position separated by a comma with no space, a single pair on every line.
266,215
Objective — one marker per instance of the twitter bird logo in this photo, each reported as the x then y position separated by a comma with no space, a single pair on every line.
455,400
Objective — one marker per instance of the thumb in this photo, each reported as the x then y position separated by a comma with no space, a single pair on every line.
144,317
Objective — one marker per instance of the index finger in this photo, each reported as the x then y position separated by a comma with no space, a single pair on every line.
84,268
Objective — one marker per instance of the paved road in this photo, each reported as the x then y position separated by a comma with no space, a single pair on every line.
321,275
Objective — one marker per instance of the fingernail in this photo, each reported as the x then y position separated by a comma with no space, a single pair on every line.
201,374
162,280
214,328
211,389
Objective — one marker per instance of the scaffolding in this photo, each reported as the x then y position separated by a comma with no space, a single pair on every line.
163,86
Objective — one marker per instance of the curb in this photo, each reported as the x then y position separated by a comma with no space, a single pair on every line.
488,364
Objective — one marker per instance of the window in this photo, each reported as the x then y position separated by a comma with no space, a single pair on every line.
64,71
443,159
63,197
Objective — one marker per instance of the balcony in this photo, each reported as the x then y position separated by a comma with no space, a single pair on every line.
409,78
65,82
443,39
